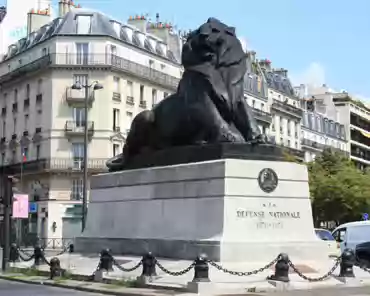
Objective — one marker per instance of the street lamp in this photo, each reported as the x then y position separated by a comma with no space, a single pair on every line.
78,86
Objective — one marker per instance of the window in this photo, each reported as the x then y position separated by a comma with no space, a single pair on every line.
4,128
113,49
39,86
288,143
116,149
81,79
129,116
141,93
27,91
79,117
289,127
77,189
16,95
116,119
163,67
340,235
77,155
130,89
116,84
14,156
154,96
82,53
14,125
25,154
151,63
44,51
39,118
253,103
26,121
83,24
38,151
262,106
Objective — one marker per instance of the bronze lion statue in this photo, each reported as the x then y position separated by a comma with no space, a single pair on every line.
209,105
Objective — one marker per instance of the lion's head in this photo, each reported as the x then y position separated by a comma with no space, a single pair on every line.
214,43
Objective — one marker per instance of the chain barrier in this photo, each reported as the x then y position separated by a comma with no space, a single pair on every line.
175,273
24,252
319,279
45,260
244,273
127,269
30,257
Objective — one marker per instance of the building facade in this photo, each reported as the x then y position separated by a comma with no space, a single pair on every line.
255,92
42,117
285,109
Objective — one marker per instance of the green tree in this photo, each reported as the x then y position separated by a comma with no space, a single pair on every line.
339,191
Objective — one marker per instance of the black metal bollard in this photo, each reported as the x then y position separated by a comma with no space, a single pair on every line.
281,269
55,269
149,263
38,255
14,253
106,260
201,269
71,248
348,260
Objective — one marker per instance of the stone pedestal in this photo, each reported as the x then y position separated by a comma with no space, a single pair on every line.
215,207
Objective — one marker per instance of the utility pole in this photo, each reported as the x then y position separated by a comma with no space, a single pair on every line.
7,202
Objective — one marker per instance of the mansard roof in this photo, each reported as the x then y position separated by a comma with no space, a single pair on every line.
101,25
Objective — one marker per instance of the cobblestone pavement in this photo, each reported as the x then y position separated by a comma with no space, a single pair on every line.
8,288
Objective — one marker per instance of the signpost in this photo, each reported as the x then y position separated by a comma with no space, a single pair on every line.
20,206
365,216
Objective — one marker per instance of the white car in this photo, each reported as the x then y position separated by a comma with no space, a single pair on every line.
333,245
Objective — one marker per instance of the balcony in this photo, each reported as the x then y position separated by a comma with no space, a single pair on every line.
116,97
77,129
91,61
262,116
287,109
319,146
67,165
38,99
76,97
130,100
142,104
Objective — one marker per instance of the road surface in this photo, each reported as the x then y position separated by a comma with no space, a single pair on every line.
360,291
9,288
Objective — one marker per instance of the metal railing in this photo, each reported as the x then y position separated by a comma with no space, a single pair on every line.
78,96
115,62
285,107
56,164
78,127
262,115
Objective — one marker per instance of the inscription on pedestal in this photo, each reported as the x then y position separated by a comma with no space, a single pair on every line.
269,217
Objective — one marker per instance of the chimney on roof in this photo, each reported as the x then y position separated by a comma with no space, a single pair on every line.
281,71
66,6
138,21
37,19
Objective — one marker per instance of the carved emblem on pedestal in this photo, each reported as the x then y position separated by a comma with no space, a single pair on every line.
268,180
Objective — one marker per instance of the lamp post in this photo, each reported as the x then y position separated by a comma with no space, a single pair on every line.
78,86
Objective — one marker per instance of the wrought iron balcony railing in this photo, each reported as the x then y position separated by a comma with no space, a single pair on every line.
262,115
78,128
81,60
71,164
287,108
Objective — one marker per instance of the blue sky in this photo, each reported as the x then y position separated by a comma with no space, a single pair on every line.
316,40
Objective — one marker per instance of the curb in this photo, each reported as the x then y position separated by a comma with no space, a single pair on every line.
76,288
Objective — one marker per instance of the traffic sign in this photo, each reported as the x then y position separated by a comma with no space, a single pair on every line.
365,216
33,207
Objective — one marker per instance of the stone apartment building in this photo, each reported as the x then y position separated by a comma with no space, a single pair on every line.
42,119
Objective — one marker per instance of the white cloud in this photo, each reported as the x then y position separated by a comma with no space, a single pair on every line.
313,75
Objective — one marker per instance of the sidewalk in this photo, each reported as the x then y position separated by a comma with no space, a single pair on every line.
85,265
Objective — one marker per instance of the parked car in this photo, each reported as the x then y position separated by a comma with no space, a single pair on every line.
363,254
350,235
333,246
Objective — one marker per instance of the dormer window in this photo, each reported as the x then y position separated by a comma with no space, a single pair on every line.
83,23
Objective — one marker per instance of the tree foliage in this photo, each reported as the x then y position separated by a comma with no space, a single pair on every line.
340,192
